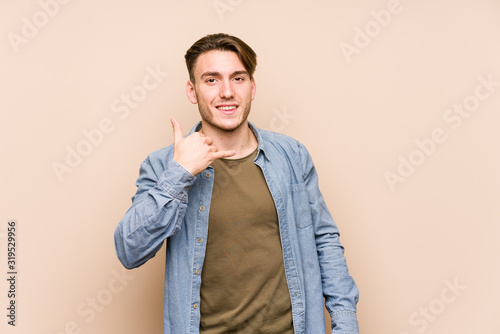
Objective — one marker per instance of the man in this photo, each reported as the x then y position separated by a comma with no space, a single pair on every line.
251,246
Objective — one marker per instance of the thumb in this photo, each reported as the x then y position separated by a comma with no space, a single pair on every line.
177,131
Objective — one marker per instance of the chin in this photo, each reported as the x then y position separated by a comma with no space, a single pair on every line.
229,127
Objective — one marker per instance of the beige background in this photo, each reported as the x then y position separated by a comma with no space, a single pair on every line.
358,111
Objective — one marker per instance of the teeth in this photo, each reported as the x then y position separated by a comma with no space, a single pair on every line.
226,108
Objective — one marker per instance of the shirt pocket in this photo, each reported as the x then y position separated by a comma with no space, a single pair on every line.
301,206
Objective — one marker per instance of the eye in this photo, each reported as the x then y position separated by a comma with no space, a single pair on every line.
239,78
211,80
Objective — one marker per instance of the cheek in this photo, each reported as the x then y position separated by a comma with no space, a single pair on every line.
207,96
246,93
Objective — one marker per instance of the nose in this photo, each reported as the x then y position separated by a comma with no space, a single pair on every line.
226,90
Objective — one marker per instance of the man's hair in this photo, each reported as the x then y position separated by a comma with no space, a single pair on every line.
221,42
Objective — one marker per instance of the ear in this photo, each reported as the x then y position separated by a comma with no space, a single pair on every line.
191,93
254,88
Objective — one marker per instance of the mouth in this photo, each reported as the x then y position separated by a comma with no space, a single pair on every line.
227,109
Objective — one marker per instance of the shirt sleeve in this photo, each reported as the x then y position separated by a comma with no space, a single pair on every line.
157,210
339,289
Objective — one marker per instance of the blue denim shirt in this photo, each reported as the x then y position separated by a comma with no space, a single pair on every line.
172,204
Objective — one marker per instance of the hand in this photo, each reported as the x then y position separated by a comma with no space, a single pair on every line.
195,152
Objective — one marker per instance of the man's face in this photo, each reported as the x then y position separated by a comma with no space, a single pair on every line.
223,90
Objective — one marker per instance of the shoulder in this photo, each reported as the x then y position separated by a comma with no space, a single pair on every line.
286,153
157,160
280,143
162,153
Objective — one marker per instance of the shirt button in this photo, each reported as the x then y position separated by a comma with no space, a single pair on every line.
200,240
197,272
195,305
202,208
207,175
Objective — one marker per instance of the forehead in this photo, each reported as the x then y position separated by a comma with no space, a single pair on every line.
223,62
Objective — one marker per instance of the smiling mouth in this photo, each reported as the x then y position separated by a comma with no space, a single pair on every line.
228,110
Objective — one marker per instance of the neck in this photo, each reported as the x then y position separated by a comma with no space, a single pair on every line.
242,140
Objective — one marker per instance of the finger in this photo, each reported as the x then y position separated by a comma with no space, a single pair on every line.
223,154
177,131
209,140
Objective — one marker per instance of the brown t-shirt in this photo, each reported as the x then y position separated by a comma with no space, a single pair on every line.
243,284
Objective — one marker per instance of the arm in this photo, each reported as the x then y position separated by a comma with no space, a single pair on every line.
157,210
339,289
160,203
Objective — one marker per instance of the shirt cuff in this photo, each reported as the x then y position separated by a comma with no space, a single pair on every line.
176,180
345,322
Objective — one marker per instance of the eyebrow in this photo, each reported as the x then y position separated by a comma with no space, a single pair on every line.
217,74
